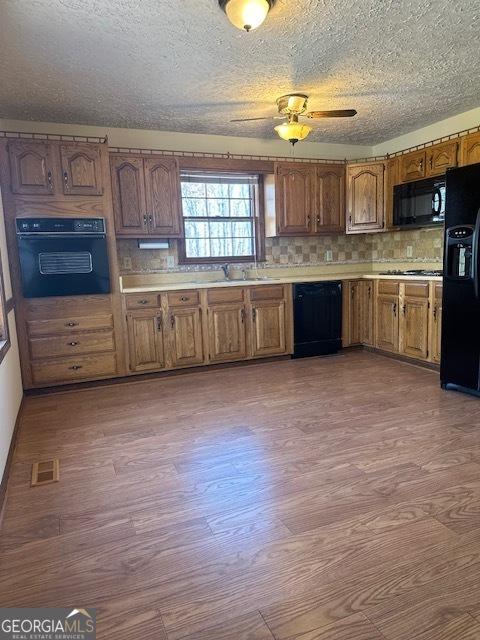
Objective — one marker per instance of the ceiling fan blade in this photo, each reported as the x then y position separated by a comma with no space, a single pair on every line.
339,113
254,119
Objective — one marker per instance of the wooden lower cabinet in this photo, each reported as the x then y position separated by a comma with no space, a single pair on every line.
436,323
146,344
186,336
352,313
195,327
387,337
268,321
367,329
227,332
415,328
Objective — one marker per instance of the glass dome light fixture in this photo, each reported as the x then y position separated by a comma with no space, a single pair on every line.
246,14
293,130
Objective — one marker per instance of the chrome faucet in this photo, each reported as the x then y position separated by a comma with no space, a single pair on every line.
226,271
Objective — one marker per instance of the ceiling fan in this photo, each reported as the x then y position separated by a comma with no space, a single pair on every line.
292,106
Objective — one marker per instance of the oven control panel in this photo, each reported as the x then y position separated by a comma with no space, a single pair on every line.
61,225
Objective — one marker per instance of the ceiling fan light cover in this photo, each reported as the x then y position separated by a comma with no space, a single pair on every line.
246,14
293,131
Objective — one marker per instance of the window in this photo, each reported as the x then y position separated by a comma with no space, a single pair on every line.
4,341
221,217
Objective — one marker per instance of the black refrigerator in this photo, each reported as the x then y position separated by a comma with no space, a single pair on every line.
460,360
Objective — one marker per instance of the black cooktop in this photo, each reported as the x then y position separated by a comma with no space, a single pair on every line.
413,272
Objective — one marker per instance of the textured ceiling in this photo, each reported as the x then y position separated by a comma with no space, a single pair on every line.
179,65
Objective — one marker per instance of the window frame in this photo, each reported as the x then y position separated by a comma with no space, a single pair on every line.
5,307
258,222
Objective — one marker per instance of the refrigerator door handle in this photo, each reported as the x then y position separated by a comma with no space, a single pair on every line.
476,256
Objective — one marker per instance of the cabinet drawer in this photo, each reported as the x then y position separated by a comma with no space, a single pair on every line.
68,325
416,289
183,298
270,292
74,344
75,368
142,301
225,295
388,287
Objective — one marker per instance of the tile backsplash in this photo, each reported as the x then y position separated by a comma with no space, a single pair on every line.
419,245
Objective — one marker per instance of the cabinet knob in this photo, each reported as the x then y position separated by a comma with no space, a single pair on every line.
71,324
49,180
172,321
65,179
73,344
159,322
75,367
184,298
143,302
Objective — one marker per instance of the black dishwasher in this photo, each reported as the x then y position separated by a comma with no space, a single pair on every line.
317,318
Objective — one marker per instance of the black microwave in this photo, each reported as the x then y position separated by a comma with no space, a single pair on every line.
420,203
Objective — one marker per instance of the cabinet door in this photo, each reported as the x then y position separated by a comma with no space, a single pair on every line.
441,157
145,340
436,323
295,198
365,197
227,332
391,179
268,328
186,336
387,323
367,313
412,166
415,327
330,217
162,188
352,300
128,191
470,148
31,167
81,170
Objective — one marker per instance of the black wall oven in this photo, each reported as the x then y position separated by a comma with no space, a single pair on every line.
62,256
420,203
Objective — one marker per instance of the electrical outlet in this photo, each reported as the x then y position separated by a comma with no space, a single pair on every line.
409,251
170,262
328,255
127,263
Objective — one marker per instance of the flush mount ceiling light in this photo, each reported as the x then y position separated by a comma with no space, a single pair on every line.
246,14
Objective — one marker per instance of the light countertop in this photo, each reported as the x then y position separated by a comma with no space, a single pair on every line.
151,285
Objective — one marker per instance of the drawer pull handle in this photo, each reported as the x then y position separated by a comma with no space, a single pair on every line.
71,324
73,344
184,298
75,367
143,302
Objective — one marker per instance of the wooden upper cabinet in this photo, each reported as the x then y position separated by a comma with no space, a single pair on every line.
441,157
391,180
81,169
227,332
162,188
330,187
412,166
470,148
295,198
31,167
145,340
186,343
128,191
365,192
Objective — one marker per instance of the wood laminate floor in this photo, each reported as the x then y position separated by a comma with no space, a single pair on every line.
316,499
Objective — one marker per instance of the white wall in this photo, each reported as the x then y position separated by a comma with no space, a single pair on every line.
461,122
171,141
10,380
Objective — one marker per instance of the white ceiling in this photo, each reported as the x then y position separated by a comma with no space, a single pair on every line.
179,65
